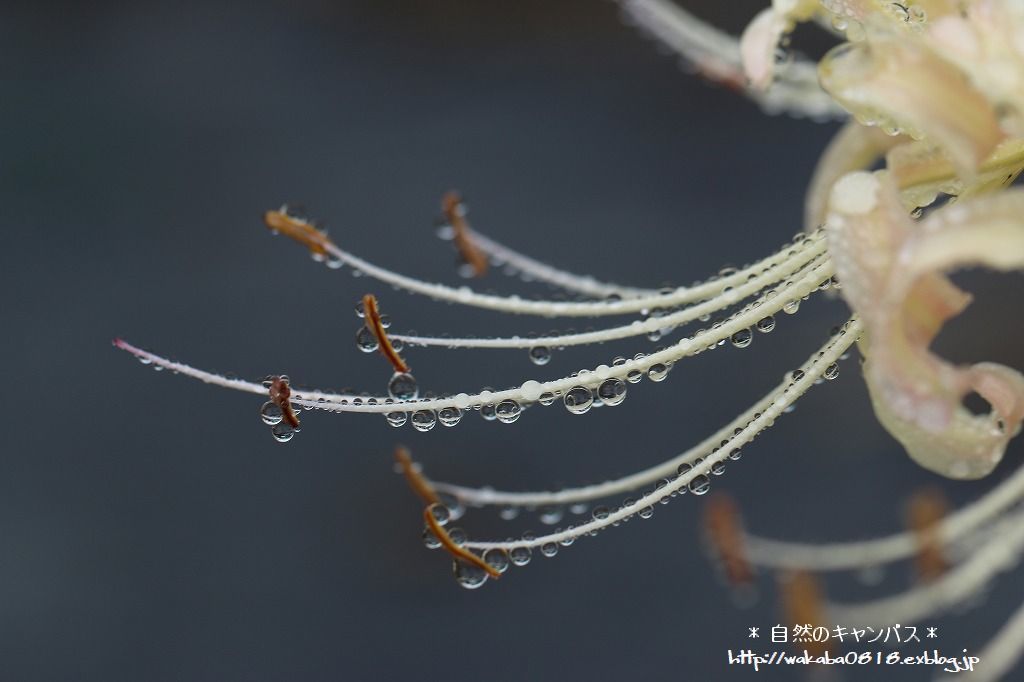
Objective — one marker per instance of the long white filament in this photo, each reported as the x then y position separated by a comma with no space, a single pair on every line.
1001,553
839,556
531,390
816,367
716,53
793,265
514,304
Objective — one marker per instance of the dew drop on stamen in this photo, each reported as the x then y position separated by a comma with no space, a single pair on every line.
600,513
540,355
488,412
766,324
634,376
441,514
549,549
497,559
792,307
360,309
646,512
455,506
458,536
508,411
403,386
612,391
578,399
657,372
546,398
396,419
271,413
467,575
449,416
430,540
742,338
385,321
423,420
366,341
831,372
283,432
550,515
520,556
700,484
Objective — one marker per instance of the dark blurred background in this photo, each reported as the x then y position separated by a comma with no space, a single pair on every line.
151,529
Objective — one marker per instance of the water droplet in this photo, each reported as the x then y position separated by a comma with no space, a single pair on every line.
612,391
646,512
700,484
508,513
430,540
360,309
831,372
508,411
397,344
742,338
520,556
423,420
634,376
546,398
657,372
469,576
796,375
540,355
791,307
366,341
385,321
271,413
403,386
718,468
579,507
766,324
458,536
441,514
497,559
455,506
549,549
488,412
600,513
283,432
550,515
396,419
578,399
449,416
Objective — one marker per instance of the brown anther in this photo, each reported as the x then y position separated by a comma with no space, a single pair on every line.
723,527
372,316
458,552
417,481
924,517
455,214
299,230
802,605
280,395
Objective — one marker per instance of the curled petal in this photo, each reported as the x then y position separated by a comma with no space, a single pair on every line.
897,83
762,36
891,269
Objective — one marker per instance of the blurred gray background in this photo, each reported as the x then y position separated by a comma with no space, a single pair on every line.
150,528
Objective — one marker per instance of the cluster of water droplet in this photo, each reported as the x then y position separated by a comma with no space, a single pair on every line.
273,416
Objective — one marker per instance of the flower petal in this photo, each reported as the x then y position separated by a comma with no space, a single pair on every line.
891,270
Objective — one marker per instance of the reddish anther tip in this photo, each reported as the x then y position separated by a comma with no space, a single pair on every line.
455,214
